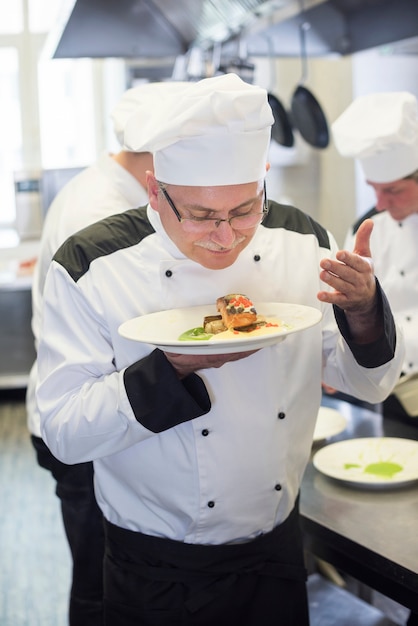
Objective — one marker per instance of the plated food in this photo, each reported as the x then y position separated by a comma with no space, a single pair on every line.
163,329
370,462
237,311
237,314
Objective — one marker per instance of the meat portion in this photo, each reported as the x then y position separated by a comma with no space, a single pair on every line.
237,311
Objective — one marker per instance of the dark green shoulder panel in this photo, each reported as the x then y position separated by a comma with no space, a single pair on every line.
291,218
102,238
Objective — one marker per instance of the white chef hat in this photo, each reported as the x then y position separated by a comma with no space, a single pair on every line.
140,100
214,132
381,130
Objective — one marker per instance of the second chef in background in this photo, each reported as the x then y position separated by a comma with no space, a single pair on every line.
381,131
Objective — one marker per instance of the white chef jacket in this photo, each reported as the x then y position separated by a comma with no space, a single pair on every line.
217,457
394,248
100,190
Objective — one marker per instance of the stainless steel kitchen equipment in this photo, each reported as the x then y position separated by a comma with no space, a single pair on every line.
163,29
28,197
369,535
17,351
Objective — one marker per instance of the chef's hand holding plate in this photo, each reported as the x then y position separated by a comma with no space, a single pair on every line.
186,364
351,275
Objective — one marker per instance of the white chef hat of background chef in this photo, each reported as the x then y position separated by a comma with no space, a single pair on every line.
381,130
214,132
139,100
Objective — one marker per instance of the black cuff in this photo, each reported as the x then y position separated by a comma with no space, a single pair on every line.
158,398
377,352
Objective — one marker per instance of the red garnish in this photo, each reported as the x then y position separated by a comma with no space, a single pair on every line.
241,301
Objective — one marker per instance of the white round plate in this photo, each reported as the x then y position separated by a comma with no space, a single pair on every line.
164,328
372,462
328,423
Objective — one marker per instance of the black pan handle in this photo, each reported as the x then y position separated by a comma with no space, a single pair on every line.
303,27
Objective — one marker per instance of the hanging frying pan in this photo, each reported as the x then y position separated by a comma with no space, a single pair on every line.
307,114
281,130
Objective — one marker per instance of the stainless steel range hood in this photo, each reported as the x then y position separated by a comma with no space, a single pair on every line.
342,27
157,29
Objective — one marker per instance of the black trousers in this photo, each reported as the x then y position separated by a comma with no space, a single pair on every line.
83,523
151,581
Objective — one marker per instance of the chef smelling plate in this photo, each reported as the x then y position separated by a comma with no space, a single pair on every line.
163,329
328,423
372,462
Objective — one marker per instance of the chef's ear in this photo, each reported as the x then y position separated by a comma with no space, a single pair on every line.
153,190
267,167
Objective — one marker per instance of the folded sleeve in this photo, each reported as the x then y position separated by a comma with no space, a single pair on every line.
159,400
377,352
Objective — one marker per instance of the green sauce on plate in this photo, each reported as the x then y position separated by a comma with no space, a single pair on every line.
195,334
385,469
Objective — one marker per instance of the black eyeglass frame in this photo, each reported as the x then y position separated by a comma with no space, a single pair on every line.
216,220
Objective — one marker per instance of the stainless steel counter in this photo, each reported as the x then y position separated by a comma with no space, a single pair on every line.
17,351
369,534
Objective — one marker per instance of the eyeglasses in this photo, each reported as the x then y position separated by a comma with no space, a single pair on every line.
240,221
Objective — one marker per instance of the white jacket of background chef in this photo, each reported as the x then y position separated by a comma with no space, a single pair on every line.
216,457
100,190
394,247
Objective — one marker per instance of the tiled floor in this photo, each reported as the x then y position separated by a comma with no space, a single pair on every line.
331,605
35,560
396,613
34,556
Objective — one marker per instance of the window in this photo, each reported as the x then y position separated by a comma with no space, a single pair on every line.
10,131
66,113
47,116
11,17
55,112
42,14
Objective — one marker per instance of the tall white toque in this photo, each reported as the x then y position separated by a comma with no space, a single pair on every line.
381,130
213,132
